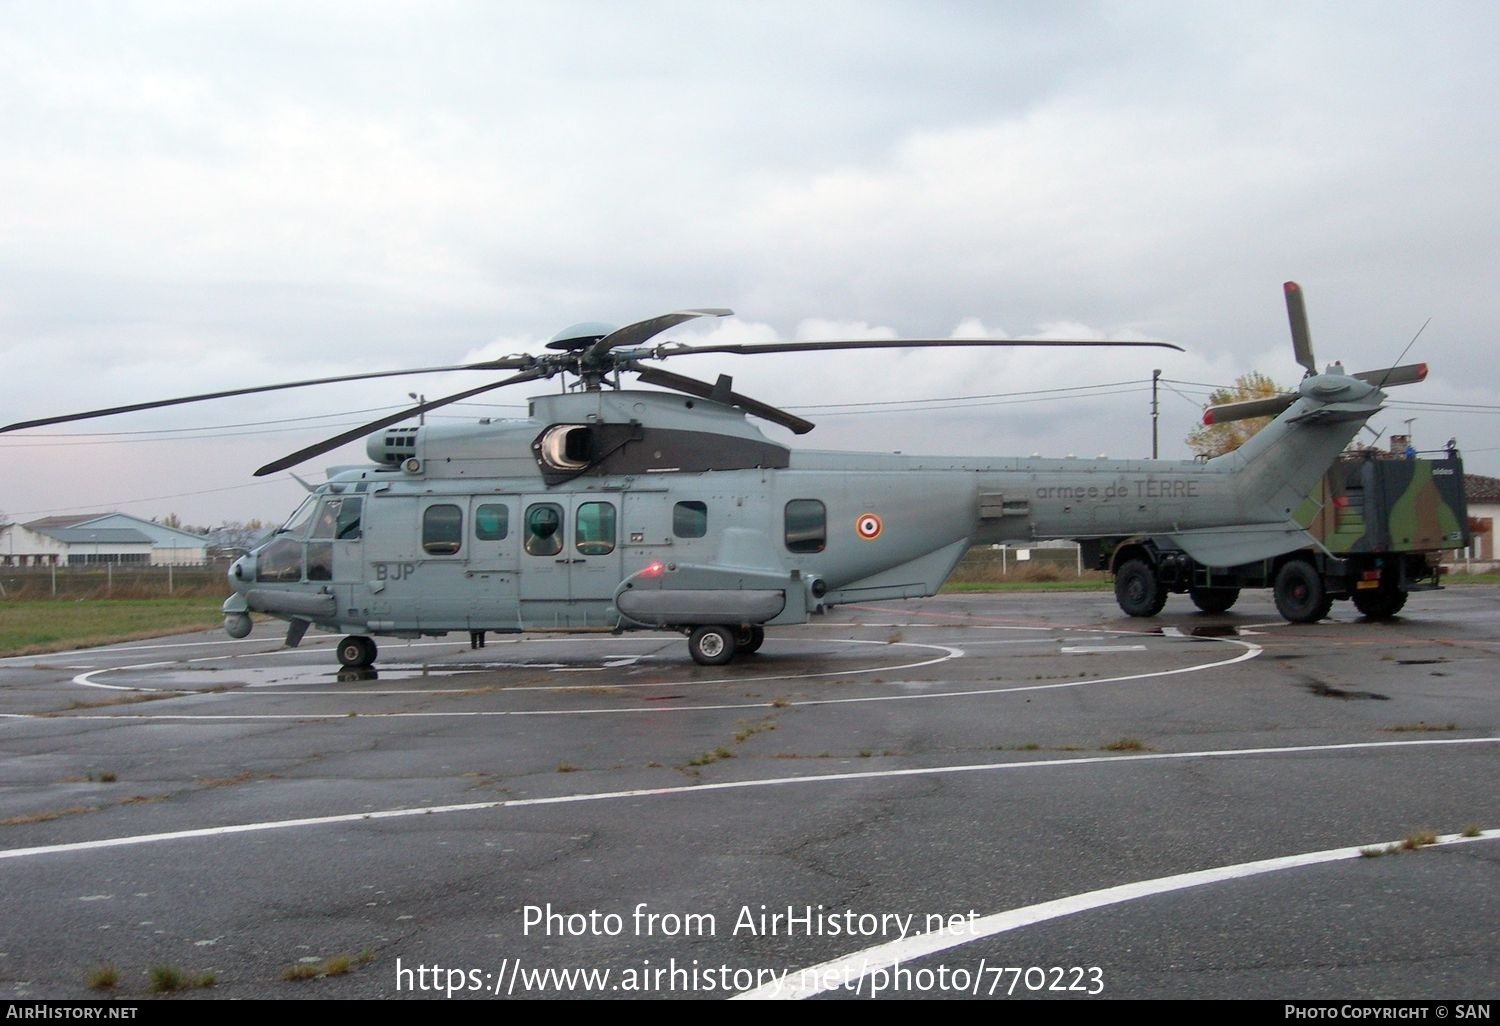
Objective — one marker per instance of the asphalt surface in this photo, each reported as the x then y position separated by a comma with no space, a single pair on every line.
1017,796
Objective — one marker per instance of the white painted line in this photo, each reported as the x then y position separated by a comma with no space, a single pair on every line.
947,652
842,973
728,785
1251,651
1093,649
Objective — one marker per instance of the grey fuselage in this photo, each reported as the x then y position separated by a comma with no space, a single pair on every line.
631,509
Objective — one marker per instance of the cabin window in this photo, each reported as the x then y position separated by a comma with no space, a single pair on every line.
544,529
806,525
594,528
491,522
690,519
442,530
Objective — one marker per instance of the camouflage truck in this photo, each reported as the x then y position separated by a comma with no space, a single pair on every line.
1378,526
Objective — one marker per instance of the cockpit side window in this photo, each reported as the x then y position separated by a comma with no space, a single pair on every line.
338,518
297,523
349,526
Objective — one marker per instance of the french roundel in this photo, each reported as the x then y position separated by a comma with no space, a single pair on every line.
868,526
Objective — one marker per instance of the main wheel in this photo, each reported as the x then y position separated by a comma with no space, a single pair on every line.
1380,604
1299,591
711,646
749,639
1214,600
1138,588
356,651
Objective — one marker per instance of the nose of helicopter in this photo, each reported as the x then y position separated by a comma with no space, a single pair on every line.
242,572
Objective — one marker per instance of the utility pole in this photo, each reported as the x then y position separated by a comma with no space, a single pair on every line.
1155,410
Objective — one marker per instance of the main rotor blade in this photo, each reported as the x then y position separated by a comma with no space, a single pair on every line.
1296,312
1271,406
329,444
504,363
703,390
899,343
640,331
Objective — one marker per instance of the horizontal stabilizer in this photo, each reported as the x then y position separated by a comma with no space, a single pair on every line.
1231,546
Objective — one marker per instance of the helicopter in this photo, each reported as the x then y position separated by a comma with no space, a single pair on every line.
618,508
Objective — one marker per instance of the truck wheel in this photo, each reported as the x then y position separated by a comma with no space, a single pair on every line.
1380,604
356,651
1138,588
1299,591
1214,600
749,639
711,646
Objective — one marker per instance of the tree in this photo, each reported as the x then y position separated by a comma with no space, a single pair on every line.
1210,440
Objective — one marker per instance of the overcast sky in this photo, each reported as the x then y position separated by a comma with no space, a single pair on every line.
207,196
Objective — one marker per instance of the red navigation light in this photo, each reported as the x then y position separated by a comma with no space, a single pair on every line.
1208,417
652,570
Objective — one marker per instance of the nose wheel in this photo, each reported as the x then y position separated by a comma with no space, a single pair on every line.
356,651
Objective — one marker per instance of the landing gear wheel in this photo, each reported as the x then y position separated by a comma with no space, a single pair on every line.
749,639
1300,595
1380,604
356,652
1214,600
1138,588
711,646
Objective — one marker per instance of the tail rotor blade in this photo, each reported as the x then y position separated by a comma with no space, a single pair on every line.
1296,312
1406,374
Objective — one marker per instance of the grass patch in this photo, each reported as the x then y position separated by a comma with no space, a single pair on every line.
34,626
48,815
1125,744
105,977
708,758
1419,728
1411,842
166,979
334,965
1472,830
101,703
566,767
1420,839
238,778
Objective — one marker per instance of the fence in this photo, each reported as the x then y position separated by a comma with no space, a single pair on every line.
112,581
1022,563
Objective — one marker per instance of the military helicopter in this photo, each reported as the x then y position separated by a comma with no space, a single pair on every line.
629,509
